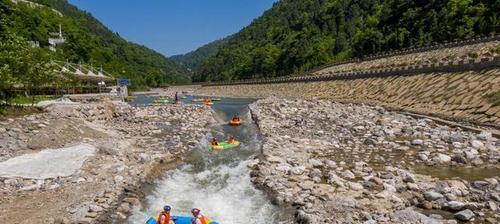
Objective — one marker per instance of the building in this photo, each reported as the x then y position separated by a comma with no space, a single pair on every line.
57,40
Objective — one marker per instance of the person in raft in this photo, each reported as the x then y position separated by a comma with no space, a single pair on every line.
164,217
214,142
198,218
230,140
235,118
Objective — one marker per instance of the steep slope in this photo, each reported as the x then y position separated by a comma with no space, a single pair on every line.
89,41
193,60
297,35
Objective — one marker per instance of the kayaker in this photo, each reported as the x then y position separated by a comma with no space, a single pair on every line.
230,140
198,218
207,101
214,142
164,217
235,118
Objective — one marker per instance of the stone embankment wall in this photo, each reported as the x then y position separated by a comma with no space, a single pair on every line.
472,96
439,57
458,80
474,54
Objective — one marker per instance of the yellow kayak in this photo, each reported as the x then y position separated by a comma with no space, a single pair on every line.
225,145
235,123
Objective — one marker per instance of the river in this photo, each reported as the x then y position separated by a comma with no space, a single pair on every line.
217,182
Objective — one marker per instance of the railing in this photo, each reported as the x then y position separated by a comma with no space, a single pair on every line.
412,69
55,90
456,66
403,51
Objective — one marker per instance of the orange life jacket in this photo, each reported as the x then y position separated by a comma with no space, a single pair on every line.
201,218
167,218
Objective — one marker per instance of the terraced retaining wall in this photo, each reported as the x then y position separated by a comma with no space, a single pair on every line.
471,95
458,80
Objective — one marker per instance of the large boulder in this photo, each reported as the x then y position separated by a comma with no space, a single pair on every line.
464,215
442,158
455,205
432,195
348,175
477,144
409,215
417,142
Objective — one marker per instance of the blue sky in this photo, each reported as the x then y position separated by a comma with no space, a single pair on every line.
174,26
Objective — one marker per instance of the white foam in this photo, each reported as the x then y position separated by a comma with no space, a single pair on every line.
50,163
223,193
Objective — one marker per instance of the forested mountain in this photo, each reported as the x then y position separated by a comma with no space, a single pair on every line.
298,35
194,59
89,41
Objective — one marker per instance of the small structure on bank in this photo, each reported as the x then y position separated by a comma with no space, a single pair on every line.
57,40
89,78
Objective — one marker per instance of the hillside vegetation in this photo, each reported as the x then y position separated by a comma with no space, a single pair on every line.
193,60
298,35
88,41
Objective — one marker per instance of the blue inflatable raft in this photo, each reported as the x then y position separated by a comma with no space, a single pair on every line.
178,220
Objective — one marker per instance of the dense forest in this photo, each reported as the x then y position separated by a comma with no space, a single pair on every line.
298,35
193,60
88,41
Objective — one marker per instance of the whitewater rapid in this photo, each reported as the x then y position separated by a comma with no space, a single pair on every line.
224,193
216,182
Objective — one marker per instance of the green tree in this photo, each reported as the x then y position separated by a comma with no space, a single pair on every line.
39,71
23,65
88,41
12,58
297,35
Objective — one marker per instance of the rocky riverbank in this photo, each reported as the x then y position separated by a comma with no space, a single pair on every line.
345,163
126,147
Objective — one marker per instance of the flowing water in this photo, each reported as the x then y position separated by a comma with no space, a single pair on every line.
217,182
